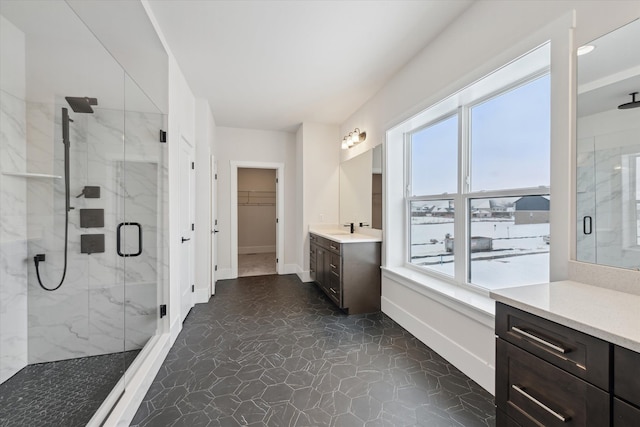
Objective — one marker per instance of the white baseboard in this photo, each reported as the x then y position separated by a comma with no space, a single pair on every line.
256,249
224,274
304,276
175,329
458,355
289,269
201,295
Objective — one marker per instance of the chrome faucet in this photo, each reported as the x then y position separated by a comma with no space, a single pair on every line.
351,227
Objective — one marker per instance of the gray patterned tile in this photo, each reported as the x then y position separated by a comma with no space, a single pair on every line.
273,351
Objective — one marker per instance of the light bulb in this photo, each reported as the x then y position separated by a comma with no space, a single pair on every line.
583,50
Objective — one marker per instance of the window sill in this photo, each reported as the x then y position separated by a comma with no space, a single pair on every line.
480,307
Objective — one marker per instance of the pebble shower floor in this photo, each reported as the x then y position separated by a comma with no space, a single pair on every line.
63,393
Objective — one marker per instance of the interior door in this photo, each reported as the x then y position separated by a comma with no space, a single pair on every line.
187,204
214,224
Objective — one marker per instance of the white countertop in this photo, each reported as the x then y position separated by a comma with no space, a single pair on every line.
604,313
341,236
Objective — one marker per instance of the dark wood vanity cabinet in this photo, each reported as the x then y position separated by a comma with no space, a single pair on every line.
626,387
550,375
349,273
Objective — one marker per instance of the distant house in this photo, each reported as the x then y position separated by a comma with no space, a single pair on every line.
532,210
482,209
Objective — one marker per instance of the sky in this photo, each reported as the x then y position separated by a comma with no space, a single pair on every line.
510,145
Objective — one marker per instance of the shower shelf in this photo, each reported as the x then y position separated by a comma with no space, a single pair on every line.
32,175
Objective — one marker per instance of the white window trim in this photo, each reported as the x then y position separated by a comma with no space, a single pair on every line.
464,195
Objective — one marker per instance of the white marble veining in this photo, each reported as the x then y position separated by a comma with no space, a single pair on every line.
103,291
13,237
604,313
107,303
606,181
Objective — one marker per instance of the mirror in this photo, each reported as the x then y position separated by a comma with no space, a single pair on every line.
361,189
608,150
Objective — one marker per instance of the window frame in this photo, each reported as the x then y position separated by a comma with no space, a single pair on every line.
462,198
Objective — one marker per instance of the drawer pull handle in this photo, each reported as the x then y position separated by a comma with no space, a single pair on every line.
540,404
540,340
333,290
334,248
335,274
333,266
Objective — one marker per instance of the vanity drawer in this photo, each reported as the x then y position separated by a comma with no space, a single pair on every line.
334,247
334,289
582,355
626,375
335,265
536,393
625,415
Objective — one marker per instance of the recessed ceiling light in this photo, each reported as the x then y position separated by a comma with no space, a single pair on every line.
583,50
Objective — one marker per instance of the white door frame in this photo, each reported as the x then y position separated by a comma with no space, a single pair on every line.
213,218
186,233
279,167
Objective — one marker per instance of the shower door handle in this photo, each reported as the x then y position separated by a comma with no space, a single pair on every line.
119,239
587,225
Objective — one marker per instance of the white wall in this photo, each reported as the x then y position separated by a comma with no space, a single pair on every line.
247,145
181,123
318,151
205,133
471,47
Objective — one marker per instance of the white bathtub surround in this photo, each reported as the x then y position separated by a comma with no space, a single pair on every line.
604,313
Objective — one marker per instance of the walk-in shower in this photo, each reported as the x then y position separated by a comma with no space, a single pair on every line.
75,173
78,105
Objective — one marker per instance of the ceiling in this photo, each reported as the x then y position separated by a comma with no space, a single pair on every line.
274,64
608,74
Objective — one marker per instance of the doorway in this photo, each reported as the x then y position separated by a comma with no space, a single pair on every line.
256,222
257,218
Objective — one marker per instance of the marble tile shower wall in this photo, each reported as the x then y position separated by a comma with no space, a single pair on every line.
13,237
606,191
88,314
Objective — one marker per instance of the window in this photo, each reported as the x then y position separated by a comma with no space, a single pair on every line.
434,164
479,177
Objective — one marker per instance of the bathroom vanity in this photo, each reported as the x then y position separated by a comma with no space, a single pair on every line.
567,353
346,266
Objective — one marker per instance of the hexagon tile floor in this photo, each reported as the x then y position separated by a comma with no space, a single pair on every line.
271,350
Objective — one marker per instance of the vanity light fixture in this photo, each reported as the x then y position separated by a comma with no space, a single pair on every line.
353,138
632,104
583,50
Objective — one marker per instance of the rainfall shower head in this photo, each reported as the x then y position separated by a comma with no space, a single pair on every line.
81,104
632,104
